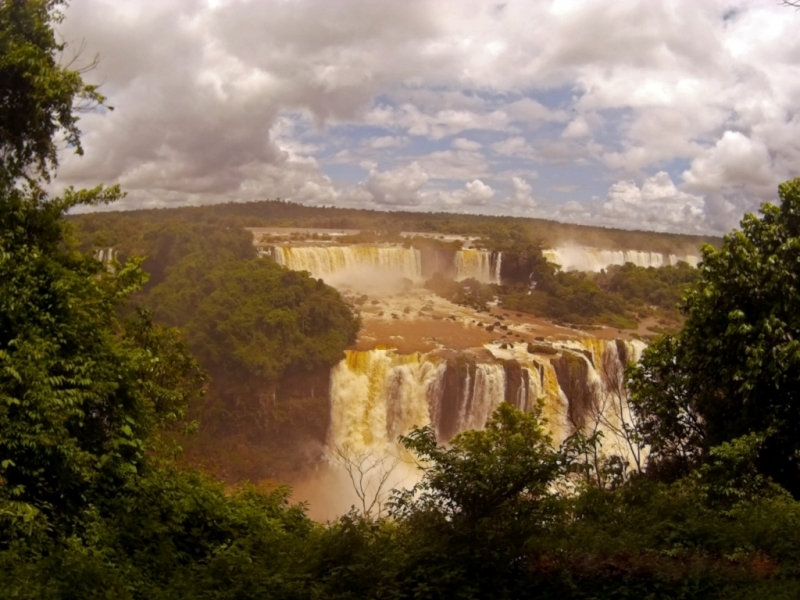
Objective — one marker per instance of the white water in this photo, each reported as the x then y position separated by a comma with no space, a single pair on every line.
482,397
584,258
328,262
478,264
378,395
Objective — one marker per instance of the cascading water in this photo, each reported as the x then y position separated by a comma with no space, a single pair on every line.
328,261
482,397
584,258
482,265
378,395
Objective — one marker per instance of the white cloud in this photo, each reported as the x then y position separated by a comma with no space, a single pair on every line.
514,146
577,128
242,100
735,160
657,205
397,187
477,193
387,141
455,164
522,193
465,144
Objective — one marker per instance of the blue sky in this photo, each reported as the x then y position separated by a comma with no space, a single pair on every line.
671,115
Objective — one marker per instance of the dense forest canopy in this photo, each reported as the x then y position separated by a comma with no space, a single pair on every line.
112,229
94,505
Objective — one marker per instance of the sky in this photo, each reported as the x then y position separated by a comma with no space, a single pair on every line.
664,115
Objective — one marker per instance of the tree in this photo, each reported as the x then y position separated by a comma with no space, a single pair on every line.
82,392
479,503
505,469
38,96
369,471
734,370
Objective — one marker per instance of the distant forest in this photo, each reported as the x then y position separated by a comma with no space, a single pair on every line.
115,228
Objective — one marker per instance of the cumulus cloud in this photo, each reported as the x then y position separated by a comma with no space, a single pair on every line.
397,187
465,144
476,193
239,100
514,146
522,193
577,128
656,205
387,141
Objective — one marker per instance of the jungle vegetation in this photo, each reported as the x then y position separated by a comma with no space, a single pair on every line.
94,505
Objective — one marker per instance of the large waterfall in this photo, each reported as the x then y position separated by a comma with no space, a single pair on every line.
584,258
328,261
332,261
482,265
378,395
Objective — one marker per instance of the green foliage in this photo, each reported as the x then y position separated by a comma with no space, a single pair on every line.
468,292
268,337
663,287
78,399
734,369
478,502
260,317
170,534
506,468
38,96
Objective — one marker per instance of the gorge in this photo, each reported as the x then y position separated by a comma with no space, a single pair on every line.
422,360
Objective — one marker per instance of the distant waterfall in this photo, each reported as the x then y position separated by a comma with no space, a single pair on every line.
105,256
482,265
584,258
327,261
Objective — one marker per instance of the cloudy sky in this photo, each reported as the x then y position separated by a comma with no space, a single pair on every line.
671,115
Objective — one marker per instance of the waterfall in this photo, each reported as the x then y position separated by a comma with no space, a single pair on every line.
482,397
556,404
584,258
105,256
378,395
327,261
482,265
